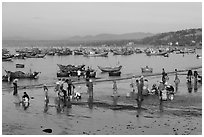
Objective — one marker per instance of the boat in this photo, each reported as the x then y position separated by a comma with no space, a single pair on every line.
7,59
103,54
114,73
63,74
36,56
78,52
20,65
70,67
147,69
156,53
122,52
20,75
110,69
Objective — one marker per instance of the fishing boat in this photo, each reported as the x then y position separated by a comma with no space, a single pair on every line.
76,52
156,53
19,75
20,65
7,59
70,67
114,73
103,54
110,69
63,74
36,56
147,70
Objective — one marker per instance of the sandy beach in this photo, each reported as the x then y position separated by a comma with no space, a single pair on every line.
181,116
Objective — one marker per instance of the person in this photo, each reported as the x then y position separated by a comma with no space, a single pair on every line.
46,93
164,76
170,91
90,88
133,83
161,87
57,88
25,97
15,92
25,100
77,95
189,75
176,81
195,81
114,87
88,73
70,85
146,87
140,88
78,73
154,89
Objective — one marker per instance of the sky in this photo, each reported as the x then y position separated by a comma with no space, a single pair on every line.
61,20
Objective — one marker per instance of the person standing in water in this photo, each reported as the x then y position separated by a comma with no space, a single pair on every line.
15,92
115,88
176,81
46,93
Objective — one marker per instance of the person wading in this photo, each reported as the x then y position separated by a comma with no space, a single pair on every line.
15,92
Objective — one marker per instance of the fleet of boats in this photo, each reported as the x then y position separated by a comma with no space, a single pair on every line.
71,70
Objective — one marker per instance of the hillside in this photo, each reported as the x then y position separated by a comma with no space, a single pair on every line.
188,37
107,37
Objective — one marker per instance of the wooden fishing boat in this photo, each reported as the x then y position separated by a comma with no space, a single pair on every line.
78,52
103,54
156,53
115,73
7,59
20,75
36,56
63,74
110,69
20,65
70,67
147,70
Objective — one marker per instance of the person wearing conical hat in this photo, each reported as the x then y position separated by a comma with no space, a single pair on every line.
15,92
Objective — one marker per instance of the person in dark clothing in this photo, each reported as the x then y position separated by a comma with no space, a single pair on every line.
70,85
15,87
88,73
25,96
163,76
189,75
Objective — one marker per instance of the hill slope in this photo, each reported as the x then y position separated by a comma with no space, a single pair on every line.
188,37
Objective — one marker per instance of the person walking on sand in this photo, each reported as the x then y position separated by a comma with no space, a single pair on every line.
15,92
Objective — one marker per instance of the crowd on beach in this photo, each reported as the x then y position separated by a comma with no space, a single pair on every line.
66,92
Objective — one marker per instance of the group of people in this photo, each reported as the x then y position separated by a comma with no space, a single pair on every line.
65,89
141,87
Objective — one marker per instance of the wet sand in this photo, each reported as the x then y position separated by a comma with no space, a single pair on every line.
183,115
